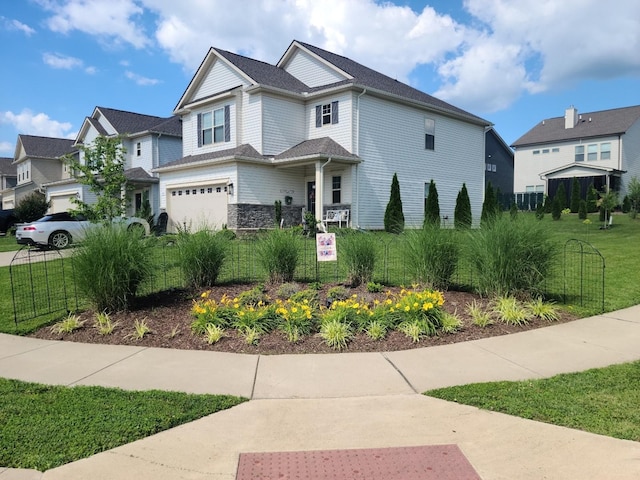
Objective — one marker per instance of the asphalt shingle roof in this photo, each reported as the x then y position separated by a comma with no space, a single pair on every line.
319,147
45,147
130,122
7,167
244,151
593,124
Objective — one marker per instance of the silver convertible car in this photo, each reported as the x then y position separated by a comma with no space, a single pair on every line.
59,230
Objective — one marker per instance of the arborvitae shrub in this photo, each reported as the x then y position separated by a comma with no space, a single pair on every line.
462,214
576,195
432,207
393,215
582,210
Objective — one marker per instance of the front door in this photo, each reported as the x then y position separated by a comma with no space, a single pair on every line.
311,197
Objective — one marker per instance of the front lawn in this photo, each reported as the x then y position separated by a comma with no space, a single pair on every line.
603,401
43,427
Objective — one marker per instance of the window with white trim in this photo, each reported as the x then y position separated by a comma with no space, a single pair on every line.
327,114
214,126
336,189
138,149
592,152
579,155
605,151
429,134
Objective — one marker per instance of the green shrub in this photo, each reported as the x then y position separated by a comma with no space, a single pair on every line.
576,195
32,207
393,215
359,252
432,253
511,256
337,293
432,207
462,214
513,210
582,210
556,207
490,208
286,290
201,256
592,199
561,195
279,253
110,265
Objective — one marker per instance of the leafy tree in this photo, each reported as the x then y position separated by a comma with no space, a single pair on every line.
102,170
32,207
561,195
432,207
393,216
576,195
462,214
626,204
489,206
607,203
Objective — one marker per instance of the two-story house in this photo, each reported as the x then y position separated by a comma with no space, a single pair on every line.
316,131
37,162
8,180
148,141
600,148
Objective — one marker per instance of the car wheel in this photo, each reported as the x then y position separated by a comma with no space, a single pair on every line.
60,239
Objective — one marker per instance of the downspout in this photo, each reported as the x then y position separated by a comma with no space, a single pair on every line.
320,195
356,220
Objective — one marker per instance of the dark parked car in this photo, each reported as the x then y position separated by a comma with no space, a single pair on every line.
7,220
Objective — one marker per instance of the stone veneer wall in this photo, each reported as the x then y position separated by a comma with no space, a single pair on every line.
246,216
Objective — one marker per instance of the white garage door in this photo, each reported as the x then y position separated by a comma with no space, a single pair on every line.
61,203
197,207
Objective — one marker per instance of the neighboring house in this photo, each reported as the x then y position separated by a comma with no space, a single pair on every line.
149,142
499,167
600,148
317,131
8,180
37,162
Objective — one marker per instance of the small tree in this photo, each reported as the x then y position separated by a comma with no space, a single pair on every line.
432,207
582,210
556,207
576,195
548,204
489,206
592,199
277,205
462,214
561,195
32,207
102,170
393,216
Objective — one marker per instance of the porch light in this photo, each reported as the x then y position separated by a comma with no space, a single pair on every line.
230,189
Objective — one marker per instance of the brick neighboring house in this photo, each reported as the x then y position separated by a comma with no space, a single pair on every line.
37,162
316,131
600,148
149,142
8,180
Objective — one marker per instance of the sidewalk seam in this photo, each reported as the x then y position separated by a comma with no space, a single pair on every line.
384,355
108,366
255,378
49,345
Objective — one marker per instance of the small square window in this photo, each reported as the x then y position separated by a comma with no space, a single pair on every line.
202,191
210,190
173,194
194,191
179,193
218,189
187,192
493,167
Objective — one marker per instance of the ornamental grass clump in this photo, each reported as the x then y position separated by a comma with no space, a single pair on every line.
201,256
110,265
358,252
511,256
336,333
432,255
278,253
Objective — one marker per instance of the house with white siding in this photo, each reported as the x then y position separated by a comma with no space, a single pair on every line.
148,141
600,148
317,132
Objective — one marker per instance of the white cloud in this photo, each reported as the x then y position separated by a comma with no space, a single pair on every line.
113,21
140,80
30,123
7,148
19,26
56,60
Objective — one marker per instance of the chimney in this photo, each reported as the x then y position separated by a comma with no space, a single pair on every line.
571,117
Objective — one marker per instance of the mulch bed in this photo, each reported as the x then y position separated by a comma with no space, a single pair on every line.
168,315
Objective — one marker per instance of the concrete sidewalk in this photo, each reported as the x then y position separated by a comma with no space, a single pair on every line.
309,402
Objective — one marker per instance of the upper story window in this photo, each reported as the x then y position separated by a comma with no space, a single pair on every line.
430,134
214,126
555,150
605,151
326,114
579,153
138,149
536,152
592,152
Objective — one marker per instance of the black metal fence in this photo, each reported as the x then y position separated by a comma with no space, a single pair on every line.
44,282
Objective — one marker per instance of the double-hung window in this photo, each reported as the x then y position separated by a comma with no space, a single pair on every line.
326,114
336,187
430,134
592,152
605,151
579,153
214,126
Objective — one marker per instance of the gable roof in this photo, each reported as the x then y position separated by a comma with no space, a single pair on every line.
324,147
7,168
44,147
130,122
593,124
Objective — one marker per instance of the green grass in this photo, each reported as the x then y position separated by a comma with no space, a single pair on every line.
603,401
47,426
8,244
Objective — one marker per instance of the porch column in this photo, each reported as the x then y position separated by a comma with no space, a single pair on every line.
319,191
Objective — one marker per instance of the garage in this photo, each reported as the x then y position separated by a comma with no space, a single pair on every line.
61,203
194,207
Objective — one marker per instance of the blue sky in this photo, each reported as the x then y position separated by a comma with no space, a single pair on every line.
512,62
